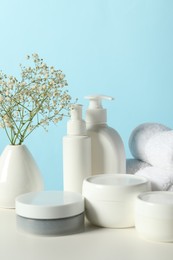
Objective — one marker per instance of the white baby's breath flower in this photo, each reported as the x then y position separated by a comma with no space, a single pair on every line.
46,76
56,120
39,98
54,102
43,65
23,84
1,125
35,55
62,76
8,99
43,87
8,124
34,87
1,98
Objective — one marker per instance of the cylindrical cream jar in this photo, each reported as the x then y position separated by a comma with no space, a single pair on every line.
154,216
50,213
109,198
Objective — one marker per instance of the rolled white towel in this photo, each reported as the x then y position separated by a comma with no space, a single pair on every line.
134,165
159,150
160,179
146,144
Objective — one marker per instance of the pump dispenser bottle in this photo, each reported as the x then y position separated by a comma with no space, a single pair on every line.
76,152
108,154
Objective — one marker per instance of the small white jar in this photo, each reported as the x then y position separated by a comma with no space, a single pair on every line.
109,198
154,216
50,213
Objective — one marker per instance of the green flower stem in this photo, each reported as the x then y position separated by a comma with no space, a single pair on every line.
7,132
21,125
9,137
23,136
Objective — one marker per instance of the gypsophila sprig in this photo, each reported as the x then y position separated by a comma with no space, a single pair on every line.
40,97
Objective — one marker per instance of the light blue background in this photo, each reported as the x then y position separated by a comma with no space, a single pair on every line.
122,48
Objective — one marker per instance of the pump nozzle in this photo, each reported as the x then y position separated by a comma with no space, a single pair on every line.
76,112
76,126
96,114
95,101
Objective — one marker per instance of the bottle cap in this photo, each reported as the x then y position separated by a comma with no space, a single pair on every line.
95,113
76,125
49,204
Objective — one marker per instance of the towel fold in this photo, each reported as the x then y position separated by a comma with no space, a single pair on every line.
153,143
160,179
134,165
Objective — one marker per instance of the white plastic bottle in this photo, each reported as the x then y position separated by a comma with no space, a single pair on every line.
76,152
108,153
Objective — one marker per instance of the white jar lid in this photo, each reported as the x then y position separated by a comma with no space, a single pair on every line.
155,204
49,204
114,187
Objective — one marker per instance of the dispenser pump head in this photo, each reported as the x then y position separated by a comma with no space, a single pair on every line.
95,113
76,126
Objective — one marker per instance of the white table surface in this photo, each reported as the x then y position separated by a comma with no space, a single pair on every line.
95,243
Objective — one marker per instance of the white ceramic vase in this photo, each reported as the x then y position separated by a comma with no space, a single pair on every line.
18,174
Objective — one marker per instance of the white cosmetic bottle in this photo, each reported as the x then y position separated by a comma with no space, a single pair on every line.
108,153
76,152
